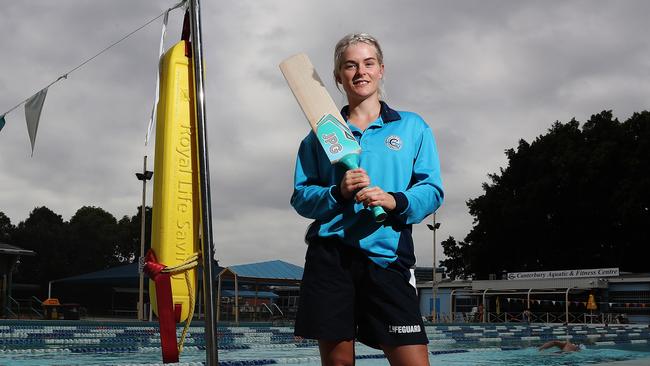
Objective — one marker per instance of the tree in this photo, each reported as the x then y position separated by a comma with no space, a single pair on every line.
456,262
6,228
93,240
573,198
45,233
128,246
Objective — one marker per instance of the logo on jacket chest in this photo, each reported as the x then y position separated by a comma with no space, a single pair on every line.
393,142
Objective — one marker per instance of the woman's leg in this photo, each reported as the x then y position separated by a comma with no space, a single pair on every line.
336,353
409,355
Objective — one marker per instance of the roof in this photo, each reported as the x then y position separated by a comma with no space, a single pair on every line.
546,284
447,283
630,278
269,271
425,274
121,275
126,275
14,250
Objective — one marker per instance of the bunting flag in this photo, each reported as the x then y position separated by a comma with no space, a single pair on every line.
33,108
34,104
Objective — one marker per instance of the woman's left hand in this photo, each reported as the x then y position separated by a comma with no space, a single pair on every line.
375,196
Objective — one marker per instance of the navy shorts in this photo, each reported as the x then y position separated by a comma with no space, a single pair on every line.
346,296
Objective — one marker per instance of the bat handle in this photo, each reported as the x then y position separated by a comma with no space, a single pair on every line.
379,213
351,161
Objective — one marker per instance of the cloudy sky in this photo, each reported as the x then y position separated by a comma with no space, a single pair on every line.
483,74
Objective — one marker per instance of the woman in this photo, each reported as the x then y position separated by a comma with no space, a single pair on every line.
358,282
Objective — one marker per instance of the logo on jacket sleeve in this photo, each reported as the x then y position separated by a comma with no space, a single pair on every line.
393,142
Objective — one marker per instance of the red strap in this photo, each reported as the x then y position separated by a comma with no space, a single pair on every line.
166,310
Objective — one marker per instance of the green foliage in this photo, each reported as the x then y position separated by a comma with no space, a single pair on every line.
92,240
45,233
573,198
456,254
6,228
128,244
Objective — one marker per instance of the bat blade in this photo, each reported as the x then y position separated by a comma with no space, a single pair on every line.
319,108
324,117
309,90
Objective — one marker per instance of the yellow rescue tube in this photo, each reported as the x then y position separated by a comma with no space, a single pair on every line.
176,216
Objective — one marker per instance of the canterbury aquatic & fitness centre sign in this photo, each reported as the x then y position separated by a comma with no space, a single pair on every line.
574,273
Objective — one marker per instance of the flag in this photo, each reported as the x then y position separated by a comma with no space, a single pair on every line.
2,121
33,108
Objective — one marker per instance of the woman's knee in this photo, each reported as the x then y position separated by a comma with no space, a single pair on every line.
336,353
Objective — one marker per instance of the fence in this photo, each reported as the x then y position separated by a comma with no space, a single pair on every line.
530,317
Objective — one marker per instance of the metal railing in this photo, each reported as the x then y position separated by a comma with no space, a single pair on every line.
27,308
268,309
13,308
36,310
279,310
529,317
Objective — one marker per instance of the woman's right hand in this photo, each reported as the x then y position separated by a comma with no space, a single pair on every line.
353,181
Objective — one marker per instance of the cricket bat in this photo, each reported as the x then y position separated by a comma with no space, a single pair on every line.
324,117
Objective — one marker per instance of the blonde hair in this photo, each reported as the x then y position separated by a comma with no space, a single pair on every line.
348,41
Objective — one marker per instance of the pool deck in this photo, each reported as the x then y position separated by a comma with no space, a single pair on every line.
639,362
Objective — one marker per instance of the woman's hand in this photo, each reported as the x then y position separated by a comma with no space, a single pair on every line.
375,196
353,181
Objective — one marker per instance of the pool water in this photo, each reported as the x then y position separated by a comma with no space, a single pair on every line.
309,356
48,344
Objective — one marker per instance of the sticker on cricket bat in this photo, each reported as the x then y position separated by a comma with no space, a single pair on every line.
336,138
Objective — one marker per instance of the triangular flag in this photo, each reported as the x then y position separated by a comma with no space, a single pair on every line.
2,121
33,108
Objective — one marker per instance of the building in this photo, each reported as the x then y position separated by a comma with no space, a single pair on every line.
9,259
573,296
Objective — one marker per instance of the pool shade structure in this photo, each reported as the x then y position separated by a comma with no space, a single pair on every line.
123,279
9,259
258,274
265,273
526,288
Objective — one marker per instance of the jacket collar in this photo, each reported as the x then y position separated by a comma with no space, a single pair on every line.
387,113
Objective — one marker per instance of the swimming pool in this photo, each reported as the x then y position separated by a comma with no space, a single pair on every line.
43,343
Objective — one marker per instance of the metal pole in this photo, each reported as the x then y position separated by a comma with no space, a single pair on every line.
236,302
484,313
451,305
211,349
566,298
434,281
140,309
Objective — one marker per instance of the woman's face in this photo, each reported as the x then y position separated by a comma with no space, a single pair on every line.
361,73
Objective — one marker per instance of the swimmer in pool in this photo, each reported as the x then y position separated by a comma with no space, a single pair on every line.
564,346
